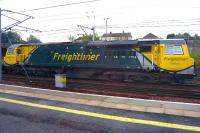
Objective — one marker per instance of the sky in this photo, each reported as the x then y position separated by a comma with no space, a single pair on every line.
140,17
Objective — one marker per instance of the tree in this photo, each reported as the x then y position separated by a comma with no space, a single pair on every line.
11,38
186,35
196,37
194,40
87,38
179,35
171,36
33,39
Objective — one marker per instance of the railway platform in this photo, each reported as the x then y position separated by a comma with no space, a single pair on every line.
135,104
91,113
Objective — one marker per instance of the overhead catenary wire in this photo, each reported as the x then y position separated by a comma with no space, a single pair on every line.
10,17
195,20
55,30
21,12
9,27
19,30
29,28
114,27
68,4
14,24
13,12
79,3
58,32
150,24
100,27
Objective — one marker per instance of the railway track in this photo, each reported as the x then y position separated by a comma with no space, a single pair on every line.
123,89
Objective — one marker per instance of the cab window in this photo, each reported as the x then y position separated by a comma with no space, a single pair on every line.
11,51
145,48
174,50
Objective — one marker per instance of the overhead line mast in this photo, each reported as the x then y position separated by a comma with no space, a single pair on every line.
0,50
93,29
9,28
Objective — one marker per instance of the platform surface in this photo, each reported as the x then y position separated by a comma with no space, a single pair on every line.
28,114
135,104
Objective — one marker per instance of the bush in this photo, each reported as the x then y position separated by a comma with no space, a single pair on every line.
195,53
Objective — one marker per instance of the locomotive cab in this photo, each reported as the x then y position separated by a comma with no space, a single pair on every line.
17,53
171,55
11,55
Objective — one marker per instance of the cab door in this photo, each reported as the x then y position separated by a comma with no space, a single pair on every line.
156,54
20,56
145,56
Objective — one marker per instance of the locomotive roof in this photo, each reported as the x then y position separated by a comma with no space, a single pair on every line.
114,43
117,42
161,41
139,42
15,45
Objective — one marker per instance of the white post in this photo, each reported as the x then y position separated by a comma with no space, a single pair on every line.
0,50
152,61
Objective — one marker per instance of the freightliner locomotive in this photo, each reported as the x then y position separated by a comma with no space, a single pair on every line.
147,60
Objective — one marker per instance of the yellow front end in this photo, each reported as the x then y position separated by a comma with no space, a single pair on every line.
16,55
10,57
170,57
176,60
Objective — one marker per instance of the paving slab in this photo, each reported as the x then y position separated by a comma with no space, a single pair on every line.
191,113
116,100
123,106
183,106
138,108
143,102
94,102
155,110
174,112
108,105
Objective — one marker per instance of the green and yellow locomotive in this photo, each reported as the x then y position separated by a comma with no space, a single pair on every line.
125,60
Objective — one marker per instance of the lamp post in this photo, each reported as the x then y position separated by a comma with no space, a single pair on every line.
0,50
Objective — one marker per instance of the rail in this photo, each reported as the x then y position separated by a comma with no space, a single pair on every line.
122,89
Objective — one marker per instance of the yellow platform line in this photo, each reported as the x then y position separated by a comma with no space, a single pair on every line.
104,116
